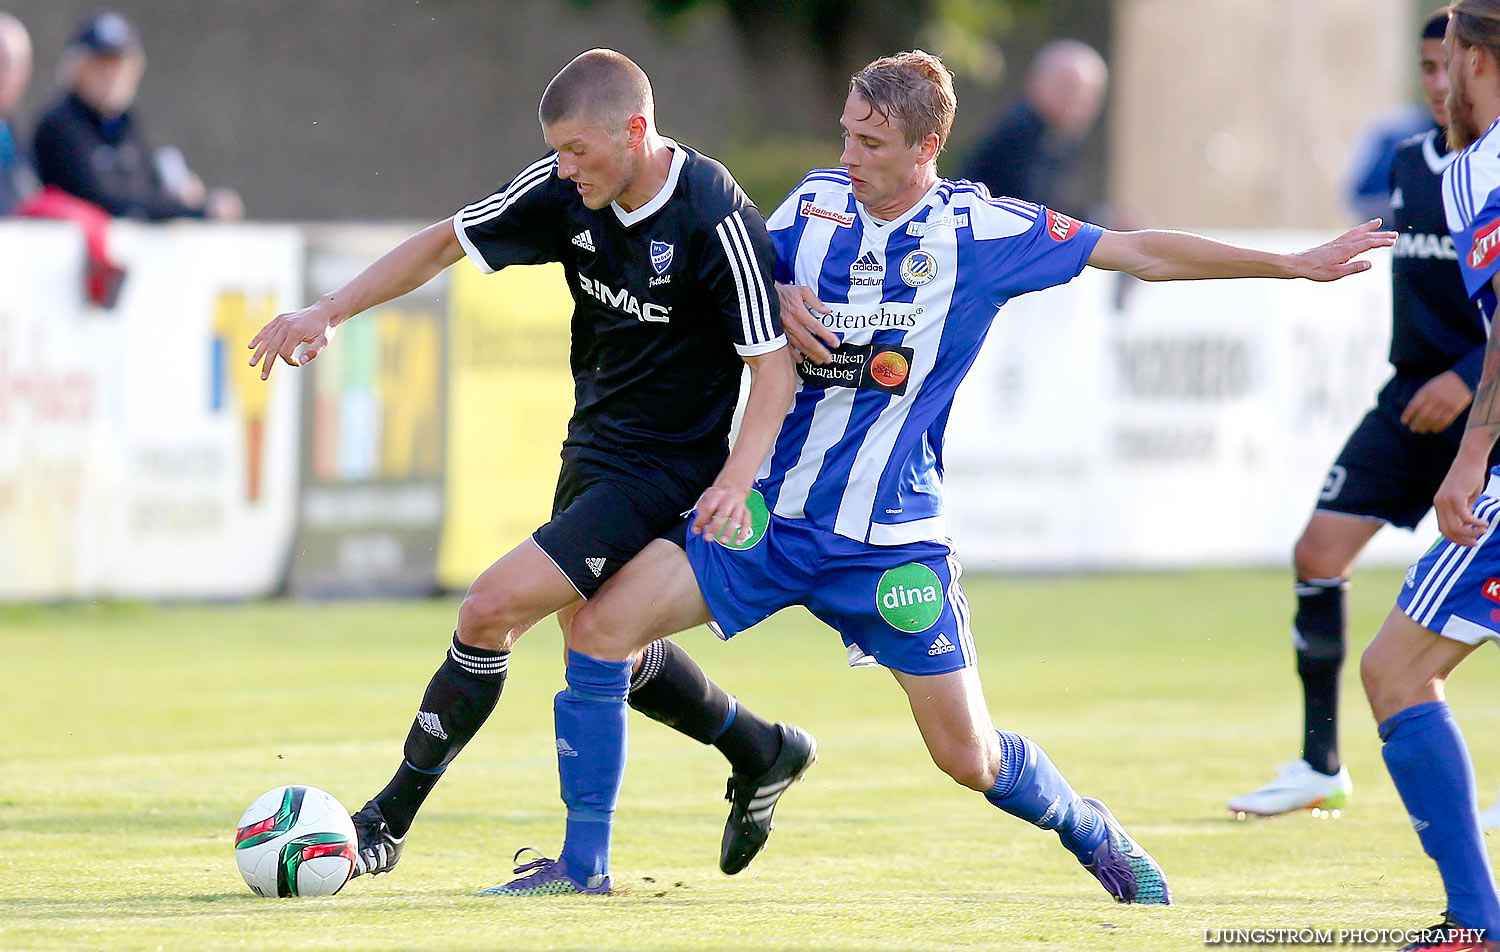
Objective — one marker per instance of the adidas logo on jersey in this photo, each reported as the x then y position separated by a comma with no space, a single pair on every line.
584,240
565,749
432,724
873,271
595,565
941,646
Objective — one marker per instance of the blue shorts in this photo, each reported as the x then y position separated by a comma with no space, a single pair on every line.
1454,590
899,606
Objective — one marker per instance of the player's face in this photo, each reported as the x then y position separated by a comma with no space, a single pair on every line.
885,171
1463,128
1434,69
598,164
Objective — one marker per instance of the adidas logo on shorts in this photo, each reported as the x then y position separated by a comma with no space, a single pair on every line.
584,240
595,565
941,646
565,749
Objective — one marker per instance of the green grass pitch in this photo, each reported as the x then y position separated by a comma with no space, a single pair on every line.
134,736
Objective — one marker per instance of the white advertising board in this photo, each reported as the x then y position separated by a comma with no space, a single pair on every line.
157,464
1112,423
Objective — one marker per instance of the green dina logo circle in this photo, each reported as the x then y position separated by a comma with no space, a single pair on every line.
760,517
910,597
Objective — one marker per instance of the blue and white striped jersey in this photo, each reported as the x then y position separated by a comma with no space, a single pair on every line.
861,451
1471,200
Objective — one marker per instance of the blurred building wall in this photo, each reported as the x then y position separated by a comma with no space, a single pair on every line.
1242,113
380,109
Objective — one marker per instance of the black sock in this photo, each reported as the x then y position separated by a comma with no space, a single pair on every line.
1318,636
458,700
672,689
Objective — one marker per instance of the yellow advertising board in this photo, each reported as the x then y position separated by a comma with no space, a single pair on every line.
510,394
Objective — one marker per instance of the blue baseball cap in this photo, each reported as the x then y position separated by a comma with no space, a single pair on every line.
107,34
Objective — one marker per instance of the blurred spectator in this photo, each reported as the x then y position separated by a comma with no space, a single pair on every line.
1031,152
91,146
15,72
1369,177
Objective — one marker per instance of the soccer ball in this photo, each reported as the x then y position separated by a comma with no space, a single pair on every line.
295,841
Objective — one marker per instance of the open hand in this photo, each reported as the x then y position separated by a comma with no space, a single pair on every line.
1454,501
296,337
1438,402
1335,259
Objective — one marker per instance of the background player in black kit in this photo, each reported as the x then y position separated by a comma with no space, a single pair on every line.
1397,457
669,266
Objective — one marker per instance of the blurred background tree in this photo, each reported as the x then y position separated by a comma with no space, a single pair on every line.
818,44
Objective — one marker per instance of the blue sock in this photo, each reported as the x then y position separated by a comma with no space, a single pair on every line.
591,740
1030,787
1426,755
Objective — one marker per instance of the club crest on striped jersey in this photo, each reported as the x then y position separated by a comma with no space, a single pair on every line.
661,256
1486,246
1060,227
918,268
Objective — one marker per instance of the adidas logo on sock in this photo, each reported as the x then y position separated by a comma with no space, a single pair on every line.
941,646
867,262
565,749
432,724
595,565
584,240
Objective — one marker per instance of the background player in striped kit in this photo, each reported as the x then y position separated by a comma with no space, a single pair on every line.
848,508
1450,603
1396,458
670,270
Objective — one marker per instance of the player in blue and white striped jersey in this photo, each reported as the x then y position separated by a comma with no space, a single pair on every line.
1450,603
908,271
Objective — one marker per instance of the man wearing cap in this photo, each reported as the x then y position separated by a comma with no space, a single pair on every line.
91,146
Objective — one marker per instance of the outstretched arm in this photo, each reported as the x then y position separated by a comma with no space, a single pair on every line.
773,382
404,268
1454,501
1178,256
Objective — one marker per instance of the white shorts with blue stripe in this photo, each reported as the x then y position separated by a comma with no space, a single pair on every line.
1454,590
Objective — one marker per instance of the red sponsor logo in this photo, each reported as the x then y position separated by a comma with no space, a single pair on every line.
1061,227
809,210
1491,589
1486,246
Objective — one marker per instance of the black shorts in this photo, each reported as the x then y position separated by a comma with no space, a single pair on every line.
1385,471
609,506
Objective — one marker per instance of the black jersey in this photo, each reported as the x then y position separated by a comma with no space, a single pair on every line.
665,298
1435,327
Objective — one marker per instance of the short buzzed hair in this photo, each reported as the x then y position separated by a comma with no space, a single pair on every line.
598,87
914,87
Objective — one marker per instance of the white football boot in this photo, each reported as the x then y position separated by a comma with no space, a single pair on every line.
1297,787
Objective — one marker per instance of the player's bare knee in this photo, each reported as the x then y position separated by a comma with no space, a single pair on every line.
1313,559
968,766
597,635
490,620
1381,681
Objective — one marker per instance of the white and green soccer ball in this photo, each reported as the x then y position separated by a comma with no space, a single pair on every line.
295,841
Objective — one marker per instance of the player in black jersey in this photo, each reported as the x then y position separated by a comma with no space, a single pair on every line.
1396,458
669,266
